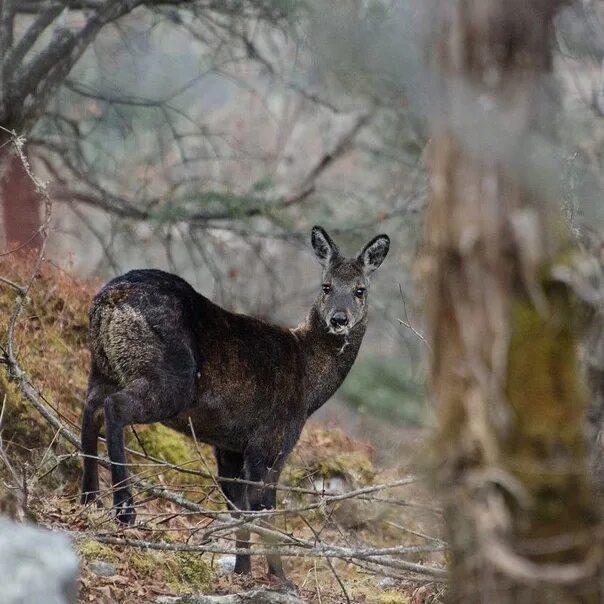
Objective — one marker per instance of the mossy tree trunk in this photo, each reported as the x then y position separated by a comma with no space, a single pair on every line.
510,456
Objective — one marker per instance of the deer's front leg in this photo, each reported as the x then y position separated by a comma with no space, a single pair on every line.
265,470
230,465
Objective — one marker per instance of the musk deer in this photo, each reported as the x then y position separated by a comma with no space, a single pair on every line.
161,352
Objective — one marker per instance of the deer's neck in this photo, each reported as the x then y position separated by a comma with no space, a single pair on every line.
328,357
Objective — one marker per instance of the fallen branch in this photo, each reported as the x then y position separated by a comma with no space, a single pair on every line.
380,556
259,596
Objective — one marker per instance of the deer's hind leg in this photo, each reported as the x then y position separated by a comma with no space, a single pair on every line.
143,401
92,419
230,465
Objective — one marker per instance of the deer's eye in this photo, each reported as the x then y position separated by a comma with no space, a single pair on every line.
326,288
360,292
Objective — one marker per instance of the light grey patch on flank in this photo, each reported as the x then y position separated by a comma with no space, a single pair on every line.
127,340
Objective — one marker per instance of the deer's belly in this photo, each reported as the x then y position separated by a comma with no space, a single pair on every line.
226,422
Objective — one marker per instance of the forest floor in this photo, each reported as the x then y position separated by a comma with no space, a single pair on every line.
40,473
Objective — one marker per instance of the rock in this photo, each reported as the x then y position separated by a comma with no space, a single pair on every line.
256,596
350,513
102,568
37,566
225,565
387,583
334,485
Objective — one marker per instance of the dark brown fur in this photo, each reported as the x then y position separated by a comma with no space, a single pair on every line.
163,352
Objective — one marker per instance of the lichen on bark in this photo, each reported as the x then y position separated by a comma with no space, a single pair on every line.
546,449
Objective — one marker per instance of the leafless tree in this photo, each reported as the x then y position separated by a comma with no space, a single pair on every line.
40,44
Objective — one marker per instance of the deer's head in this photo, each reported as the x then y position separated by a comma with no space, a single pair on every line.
342,303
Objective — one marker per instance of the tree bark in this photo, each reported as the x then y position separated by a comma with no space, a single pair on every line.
509,449
21,203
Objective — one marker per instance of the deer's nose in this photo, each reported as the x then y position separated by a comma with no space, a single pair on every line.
339,319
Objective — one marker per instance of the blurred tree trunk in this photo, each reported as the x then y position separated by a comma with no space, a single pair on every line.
509,449
20,203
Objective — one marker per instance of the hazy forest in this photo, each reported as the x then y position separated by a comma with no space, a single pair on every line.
428,169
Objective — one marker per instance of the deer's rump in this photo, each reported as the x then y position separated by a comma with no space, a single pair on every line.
140,327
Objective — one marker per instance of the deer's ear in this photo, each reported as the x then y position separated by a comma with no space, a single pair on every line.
373,253
325,249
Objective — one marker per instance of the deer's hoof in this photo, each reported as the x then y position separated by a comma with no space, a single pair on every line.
124,510
243,566
289,587
282,583
88,497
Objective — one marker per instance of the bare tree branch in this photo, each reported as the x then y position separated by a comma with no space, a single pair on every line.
246,206
16,53
6,40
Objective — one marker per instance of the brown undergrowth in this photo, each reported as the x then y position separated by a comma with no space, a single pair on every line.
41,473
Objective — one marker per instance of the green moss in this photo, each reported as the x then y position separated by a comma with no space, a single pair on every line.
355,466
89,549
161,442
144,561
21,423
187,572
183,572
546,393
544,381
294,476
325,453
164,443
